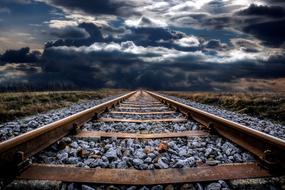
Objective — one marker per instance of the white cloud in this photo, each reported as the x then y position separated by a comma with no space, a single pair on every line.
61,23
145,22
188,41
129,49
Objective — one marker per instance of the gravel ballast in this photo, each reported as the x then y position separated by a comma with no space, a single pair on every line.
265,126
148,116
154,127
217,185
144,154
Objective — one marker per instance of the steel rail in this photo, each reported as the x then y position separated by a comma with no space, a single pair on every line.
268,149
14,151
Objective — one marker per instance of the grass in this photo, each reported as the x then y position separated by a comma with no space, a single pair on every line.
17,105
269,106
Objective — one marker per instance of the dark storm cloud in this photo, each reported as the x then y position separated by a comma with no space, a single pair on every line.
152,36
215,44
89,6
271,32
22,55
91,34
94,7
248,46
90,68
117,67
87,69
263,10
141,36
70,32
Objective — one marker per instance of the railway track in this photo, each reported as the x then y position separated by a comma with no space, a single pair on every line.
142,138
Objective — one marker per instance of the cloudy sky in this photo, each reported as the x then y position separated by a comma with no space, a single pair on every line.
199,45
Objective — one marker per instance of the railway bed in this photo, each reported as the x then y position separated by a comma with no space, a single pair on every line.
141,140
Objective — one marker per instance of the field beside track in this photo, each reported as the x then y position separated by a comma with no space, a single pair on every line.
20,104
269,106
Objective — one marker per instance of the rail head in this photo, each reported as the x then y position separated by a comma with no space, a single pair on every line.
265,144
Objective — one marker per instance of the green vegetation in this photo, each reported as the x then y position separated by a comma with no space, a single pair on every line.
16,105
262,105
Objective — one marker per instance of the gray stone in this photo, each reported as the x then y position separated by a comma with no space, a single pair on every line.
86,187
157,187
213,162
214,186
112,187
196,144
144,188
173,145
132,188
122,164
152,155
162,164
187,186
247,158
62,156
140,154
72,160
67,140
184,163
48,160
150,167
195,127
223,184
148,160
179,164
137,162
208,151
89,161
33,184
169,187
199,186
183,151
130,142
74,145
70,186
228,151
271,183
238,157
111,154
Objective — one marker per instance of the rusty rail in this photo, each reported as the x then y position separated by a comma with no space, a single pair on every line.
268,149
14,152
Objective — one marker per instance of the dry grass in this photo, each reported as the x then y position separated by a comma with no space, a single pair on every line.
16,105
262,105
